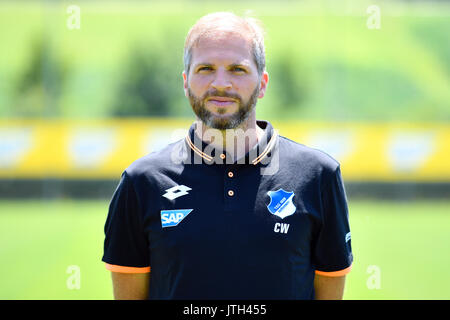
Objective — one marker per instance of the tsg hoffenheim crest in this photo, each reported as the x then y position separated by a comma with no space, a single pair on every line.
281,203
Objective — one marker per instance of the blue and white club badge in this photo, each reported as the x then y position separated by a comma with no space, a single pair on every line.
281,203
171,218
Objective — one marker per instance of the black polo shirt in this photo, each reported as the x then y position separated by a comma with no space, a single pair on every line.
207,227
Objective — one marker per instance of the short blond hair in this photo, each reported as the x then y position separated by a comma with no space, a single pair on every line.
225,22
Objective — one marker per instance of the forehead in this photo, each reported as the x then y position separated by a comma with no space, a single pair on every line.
222,47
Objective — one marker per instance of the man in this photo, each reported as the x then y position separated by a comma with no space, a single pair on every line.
233,211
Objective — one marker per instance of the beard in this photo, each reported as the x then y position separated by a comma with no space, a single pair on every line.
221,122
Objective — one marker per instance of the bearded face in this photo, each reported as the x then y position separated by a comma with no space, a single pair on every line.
223,83
222,118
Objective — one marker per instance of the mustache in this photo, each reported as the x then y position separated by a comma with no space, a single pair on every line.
217,93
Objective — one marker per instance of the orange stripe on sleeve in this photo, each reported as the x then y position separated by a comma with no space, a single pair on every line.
123,269
338,273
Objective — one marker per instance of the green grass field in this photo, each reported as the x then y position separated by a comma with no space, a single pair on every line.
408,243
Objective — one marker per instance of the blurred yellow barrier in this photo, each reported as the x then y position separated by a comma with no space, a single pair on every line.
103,149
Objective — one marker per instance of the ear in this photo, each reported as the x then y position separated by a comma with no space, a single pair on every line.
263,84
185,84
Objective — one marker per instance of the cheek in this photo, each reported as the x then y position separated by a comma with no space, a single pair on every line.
200,79
198,86
248,87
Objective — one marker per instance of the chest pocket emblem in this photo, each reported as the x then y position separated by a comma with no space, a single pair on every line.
281,203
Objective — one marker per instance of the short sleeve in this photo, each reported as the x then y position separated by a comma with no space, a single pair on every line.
332,253
125,245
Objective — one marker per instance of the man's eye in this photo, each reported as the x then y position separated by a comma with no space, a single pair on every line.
238,69
204,69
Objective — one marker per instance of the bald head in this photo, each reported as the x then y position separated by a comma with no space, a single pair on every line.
223,25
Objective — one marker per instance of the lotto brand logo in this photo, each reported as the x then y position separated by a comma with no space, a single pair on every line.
348,237
176,192
171,218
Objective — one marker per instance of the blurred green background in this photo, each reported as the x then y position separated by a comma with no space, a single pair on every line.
326,63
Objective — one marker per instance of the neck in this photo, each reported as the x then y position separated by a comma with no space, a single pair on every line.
237,141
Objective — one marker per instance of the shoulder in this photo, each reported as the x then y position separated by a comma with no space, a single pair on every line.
306,159
156,162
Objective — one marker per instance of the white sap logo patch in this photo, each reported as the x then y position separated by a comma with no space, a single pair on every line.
171,218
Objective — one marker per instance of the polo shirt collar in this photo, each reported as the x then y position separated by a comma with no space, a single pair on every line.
259,154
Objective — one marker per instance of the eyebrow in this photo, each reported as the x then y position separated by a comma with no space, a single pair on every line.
239,65
202,64
233,65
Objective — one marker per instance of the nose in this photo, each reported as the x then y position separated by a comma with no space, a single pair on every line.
221,81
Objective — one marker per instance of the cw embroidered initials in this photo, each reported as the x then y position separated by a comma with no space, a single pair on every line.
281,227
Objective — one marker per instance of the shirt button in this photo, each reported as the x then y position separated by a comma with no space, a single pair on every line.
222,156
230,193
230,174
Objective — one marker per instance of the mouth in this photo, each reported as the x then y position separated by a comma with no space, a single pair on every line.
221,101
